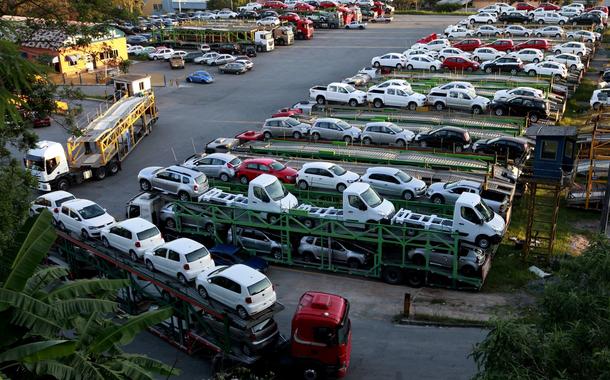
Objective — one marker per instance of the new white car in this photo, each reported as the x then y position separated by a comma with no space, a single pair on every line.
459,32
411,52
164,53
214,165
455,84
269,21
222,59
394,182
325,175
434,45
395,96
528,55
423,62
546,68
572,47
572,61
207,57
51,201
183,259
207,16
383,132
518,91
252,6
493,9
392,82
83,217
482,18
389,60
483,54
550,31
584,35
135,49
453,52
132,236
600,98
239,287
356,25
550,17
226,14
517,31
569,11
178,54
488,30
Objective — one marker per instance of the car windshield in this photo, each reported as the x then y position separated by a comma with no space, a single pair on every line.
34,163
450,185
337,170
292,122
92,211
277,166
349,88
371,197
259,287
394,128
402,176
343,125
276,191
147,234
59,202
492,141
485,211
197,254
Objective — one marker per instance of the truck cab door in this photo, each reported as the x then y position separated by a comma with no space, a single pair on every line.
468,225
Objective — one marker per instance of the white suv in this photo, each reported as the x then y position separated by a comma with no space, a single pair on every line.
458,99
389,60
182,258
83,217
164,53
325,175
186,183
239,287
577,48
572,61
132,236
550,18
547,68
284,127
600,98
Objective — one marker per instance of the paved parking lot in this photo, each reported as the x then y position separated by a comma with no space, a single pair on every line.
190,115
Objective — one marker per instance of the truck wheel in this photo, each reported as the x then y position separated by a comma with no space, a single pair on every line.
438,199
483,241
353,263
321,100
224,177
416,279
184,196
407,195
63,184
243,180
341,187
100,173
145,185
113,167
353,103
412,106
392,275
377,103
267,135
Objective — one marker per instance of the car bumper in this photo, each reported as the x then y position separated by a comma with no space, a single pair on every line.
259,307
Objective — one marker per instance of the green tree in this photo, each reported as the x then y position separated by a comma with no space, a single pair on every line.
58,328
567,335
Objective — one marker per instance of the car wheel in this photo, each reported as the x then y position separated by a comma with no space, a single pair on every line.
540,22
508,34
392,275
479,34
467,271
490,22
438,199
596,106
526,35
321,100
184,196
276,253
513,71
202,292
439,106
499,112
133,256
558,36
316,136
353,103
61,226
579,54
532,73
341,187
243,314
188,79
573,67
145,185
399,66
488,70
557,77
433,68
557,52
303,185
353,263
483,241
105,242
401,143
224,177
296,135
535,60
243,180
423,144
561,22
182,279
476,58
409,67
469,69
570,37
367,141
376,64
150,266
407,195
377,103
533,118
347,139
267,135
476,110
84,234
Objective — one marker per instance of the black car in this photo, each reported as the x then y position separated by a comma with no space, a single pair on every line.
505,146
228,48
190,57
514,17
503,64
233,68
248,14
534,108
453,138
585,19
268,13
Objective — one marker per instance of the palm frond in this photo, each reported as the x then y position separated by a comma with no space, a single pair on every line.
73,307
82,288
53,368
38,240
37,351
24,302
152,365
111,372
36,324
134,371
125,333
85,368
43,277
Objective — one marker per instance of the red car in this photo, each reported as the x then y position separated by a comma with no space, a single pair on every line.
288,112
502,45
290,17
536,43
304,7
428,38
524,7
602,8
250,136
459,64
275,5
328,4
549,7
252,168
469,44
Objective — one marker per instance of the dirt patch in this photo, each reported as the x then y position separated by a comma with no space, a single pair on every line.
578,243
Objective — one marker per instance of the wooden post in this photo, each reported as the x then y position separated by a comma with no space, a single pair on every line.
407,305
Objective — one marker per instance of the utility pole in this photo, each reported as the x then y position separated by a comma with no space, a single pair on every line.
179,6
603,223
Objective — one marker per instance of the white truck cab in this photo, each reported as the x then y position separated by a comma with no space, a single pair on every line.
264,40
47,162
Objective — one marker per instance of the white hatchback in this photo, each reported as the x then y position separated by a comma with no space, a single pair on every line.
182,258
325,175
132,236
51,201
239,287
84,217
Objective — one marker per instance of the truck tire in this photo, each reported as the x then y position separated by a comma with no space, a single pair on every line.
353,103
259,48
100,173
377,103
438,199
63,184
341,187
483,241
145,185
416,278
320,100
392,275
113,167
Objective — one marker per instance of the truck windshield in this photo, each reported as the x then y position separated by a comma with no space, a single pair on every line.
371,198
349,88
34,163
337,170
485,211
92,211
402,176
345,326
197,254
276,191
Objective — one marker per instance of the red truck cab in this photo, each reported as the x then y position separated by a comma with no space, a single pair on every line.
304,29
321,335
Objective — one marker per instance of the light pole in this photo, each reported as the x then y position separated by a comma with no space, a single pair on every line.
179,6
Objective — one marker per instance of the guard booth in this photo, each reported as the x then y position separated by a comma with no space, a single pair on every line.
551,172
131,85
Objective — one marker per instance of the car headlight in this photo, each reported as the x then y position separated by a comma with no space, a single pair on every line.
93,227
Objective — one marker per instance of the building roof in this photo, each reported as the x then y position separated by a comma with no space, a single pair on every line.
547,130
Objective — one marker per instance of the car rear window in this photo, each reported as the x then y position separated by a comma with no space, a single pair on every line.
197,254
62,200
201,179
147,234
259,286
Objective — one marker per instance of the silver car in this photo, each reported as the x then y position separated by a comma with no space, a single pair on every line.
221,60
550,31
315,248
285,127
334,129
258,241
394,182
470,260
186,183
215,165
386,133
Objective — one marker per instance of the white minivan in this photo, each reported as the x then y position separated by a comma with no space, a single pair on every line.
182,258
132,236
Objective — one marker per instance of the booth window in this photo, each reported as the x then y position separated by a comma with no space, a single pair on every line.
569,150
549,150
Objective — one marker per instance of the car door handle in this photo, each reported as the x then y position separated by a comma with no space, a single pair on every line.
461,224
